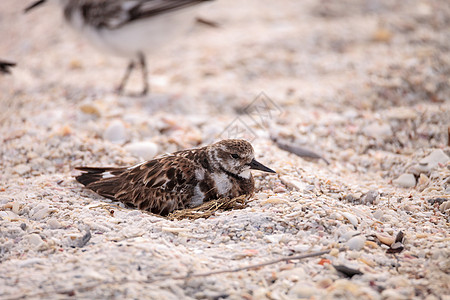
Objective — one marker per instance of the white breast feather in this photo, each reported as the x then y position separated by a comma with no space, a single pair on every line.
198,197
223,184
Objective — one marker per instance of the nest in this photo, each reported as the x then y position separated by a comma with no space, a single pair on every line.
209,208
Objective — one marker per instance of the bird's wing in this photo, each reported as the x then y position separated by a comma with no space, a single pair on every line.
160,185
115,13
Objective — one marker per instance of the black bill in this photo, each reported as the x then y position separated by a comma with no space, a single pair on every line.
254,165
33,5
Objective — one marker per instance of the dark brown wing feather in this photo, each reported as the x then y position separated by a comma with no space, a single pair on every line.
160,185
113,14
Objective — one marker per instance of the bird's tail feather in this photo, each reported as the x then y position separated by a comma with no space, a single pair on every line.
101,180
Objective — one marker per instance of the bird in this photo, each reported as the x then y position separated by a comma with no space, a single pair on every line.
184,179
128,28
5,66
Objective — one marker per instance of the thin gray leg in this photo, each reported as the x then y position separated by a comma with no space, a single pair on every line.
143,64
124,80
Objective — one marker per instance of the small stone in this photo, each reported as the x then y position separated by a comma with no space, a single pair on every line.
378,214
334,252
130,232
392,294
422,183
406,180
351,218
370,197
378,131
279,189
143,150
90,109
371,244
275,200
34,239
302,291
15,207
54,223
115,132
434,159
293,183
301,248
324,283
39,212
356,243
262,196
401,113
22,169
385,239
382,35
445,207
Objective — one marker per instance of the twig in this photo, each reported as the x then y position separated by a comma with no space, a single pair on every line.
256,266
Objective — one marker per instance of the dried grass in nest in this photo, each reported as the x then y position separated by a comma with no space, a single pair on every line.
209,208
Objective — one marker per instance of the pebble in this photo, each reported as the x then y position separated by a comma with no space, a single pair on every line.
22,169
54,223
351,218
370,197
356,243
142,150
31,261
275,200
90,109
324,283
16,207
406,180
378,214
39,212
302,291
423,181
378,131
445,207
9,215
293,183
34,239
115,132
301,248
392,294
385,239
430,162
401,113
434,159
262,196
129,232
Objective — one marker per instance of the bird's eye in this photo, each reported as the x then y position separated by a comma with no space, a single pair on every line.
235,156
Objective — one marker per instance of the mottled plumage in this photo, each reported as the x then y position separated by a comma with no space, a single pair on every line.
180,180
128,28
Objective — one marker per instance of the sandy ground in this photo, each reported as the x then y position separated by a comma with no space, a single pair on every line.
365,84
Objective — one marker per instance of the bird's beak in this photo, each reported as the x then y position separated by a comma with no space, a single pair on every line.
33,5
254,165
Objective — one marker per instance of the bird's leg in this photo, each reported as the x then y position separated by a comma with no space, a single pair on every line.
143,64
124,80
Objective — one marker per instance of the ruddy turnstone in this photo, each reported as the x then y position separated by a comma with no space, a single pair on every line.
129,28
5,66
180,180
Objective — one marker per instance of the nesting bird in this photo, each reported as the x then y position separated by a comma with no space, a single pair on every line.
184,179
129,28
